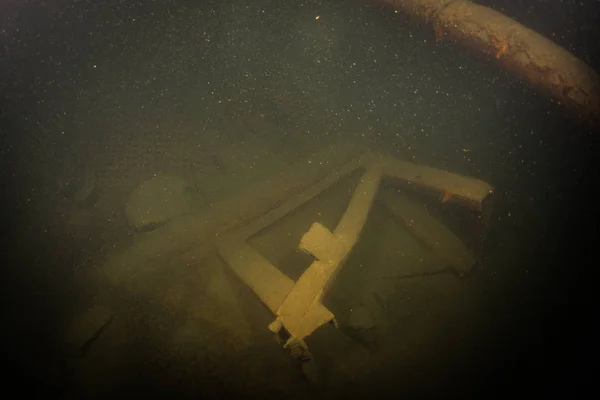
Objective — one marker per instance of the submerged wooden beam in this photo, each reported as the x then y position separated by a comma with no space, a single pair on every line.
470,192
302,311
550,69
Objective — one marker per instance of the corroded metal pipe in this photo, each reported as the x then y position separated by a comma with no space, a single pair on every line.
550,69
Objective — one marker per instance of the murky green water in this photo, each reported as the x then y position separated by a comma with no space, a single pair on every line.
98,98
